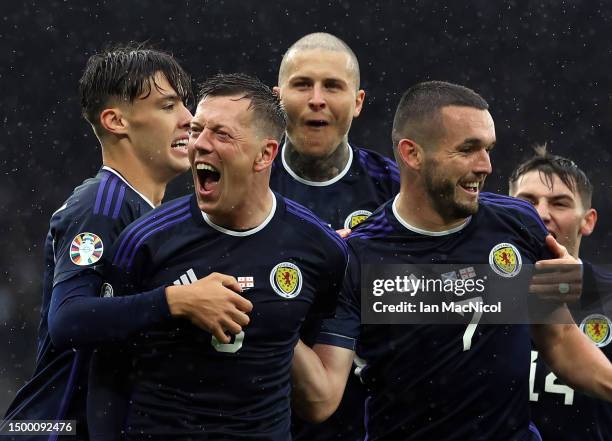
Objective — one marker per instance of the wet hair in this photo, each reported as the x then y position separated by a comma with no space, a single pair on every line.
548,166
265,105
325,41
126,73
418,113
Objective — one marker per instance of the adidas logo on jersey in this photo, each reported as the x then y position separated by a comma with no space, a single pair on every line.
245,282
186,279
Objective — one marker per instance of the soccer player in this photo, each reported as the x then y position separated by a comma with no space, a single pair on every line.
561,193
447,381
319,85
184,382
134,98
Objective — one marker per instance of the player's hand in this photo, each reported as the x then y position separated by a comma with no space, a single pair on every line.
344,232
557,279
211,303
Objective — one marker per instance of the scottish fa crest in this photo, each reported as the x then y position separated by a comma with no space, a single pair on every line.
598,328
86,249
286,280
356,217
505,260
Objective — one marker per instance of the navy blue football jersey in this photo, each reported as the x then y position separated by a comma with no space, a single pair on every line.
80,233
368,180
184,383
560,412
424,382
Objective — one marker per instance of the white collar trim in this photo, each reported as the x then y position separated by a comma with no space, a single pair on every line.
426,232
318,183
247,232
116,173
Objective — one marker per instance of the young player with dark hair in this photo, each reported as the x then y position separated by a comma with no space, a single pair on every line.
134,97
561,193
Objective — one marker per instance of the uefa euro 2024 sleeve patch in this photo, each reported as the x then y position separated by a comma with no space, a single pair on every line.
286,280
598,328
505,259
356,217
86,249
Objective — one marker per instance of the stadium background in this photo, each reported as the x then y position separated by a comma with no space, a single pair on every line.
544,67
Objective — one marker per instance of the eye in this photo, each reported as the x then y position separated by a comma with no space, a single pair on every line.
169,106
222,136
194,132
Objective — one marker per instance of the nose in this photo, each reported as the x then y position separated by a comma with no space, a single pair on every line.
483,163
542,209
200,142
184,117
317,99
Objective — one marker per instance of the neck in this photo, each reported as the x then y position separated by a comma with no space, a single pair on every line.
314,168
414,207
136,173
250,213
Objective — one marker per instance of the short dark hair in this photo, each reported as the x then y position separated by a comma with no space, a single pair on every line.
124,72
548,166
420,105
265,104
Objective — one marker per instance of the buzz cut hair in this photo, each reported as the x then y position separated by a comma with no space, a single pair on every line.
324,41
267,110
418,115
549,165
127,72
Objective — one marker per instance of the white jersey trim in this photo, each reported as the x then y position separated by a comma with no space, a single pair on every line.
426,232
318,183
247,232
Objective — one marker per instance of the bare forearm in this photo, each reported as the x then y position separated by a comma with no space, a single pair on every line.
318,380
575,359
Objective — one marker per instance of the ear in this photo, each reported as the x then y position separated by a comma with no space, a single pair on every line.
266,155
359,102
113,121
276,90
588,222
410,153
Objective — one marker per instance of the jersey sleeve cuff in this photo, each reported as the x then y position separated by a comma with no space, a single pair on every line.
328,338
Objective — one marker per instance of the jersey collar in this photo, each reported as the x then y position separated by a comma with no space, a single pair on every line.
318,183
115,172
247,232
426,232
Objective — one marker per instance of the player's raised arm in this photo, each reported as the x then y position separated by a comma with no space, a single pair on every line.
319,376
573,357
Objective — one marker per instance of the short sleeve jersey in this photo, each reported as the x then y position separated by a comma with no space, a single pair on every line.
368,180
423,383
187,383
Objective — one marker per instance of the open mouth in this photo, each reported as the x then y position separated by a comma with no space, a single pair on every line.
180,145
316,123
470,187
208,177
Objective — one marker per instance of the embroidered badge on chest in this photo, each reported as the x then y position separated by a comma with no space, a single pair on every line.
356,217
286,280
505,259
86,249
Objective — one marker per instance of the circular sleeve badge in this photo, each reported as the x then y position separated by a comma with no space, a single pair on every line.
86,249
